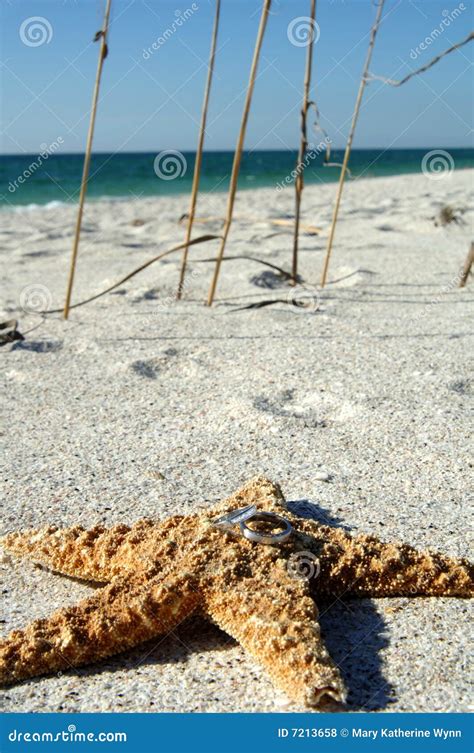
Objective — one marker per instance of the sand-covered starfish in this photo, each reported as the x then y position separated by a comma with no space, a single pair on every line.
158,573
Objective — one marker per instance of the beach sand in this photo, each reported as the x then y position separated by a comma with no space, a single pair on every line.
141,406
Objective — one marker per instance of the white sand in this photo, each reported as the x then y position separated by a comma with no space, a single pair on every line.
373,388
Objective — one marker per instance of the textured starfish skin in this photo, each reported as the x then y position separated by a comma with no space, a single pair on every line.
157,573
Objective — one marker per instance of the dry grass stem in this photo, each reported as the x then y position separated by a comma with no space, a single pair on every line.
466,271
239,148
299,182
201,239
102,35
198,162
391,82
350,139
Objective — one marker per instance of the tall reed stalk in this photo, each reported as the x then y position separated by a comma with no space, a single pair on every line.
299,181
238,151
347,154
87,157
198,162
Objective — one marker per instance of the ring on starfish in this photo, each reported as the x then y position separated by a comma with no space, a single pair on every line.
267,538
157,573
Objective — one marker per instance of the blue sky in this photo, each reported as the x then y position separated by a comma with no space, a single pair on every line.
154,102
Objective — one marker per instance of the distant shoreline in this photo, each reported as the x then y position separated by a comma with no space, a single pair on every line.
100,152
53,177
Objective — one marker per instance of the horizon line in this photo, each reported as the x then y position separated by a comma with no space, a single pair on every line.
231,151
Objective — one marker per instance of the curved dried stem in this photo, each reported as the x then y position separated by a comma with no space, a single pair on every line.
391,82
201,239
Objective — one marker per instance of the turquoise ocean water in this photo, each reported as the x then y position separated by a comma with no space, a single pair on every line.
26,181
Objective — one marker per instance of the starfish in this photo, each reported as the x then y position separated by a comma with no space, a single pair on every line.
157,573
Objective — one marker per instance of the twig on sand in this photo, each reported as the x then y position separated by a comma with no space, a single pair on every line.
299,181
355,117
198,161
270,302
103,52
239,148
280,270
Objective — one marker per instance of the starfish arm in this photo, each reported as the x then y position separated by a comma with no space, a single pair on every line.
277,623
120,615
95,554
365,566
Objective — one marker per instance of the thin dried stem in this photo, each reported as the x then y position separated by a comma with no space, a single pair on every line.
198,162
201,239
466,270
299,182
239,148
102,35
350,139
284,274
391,82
